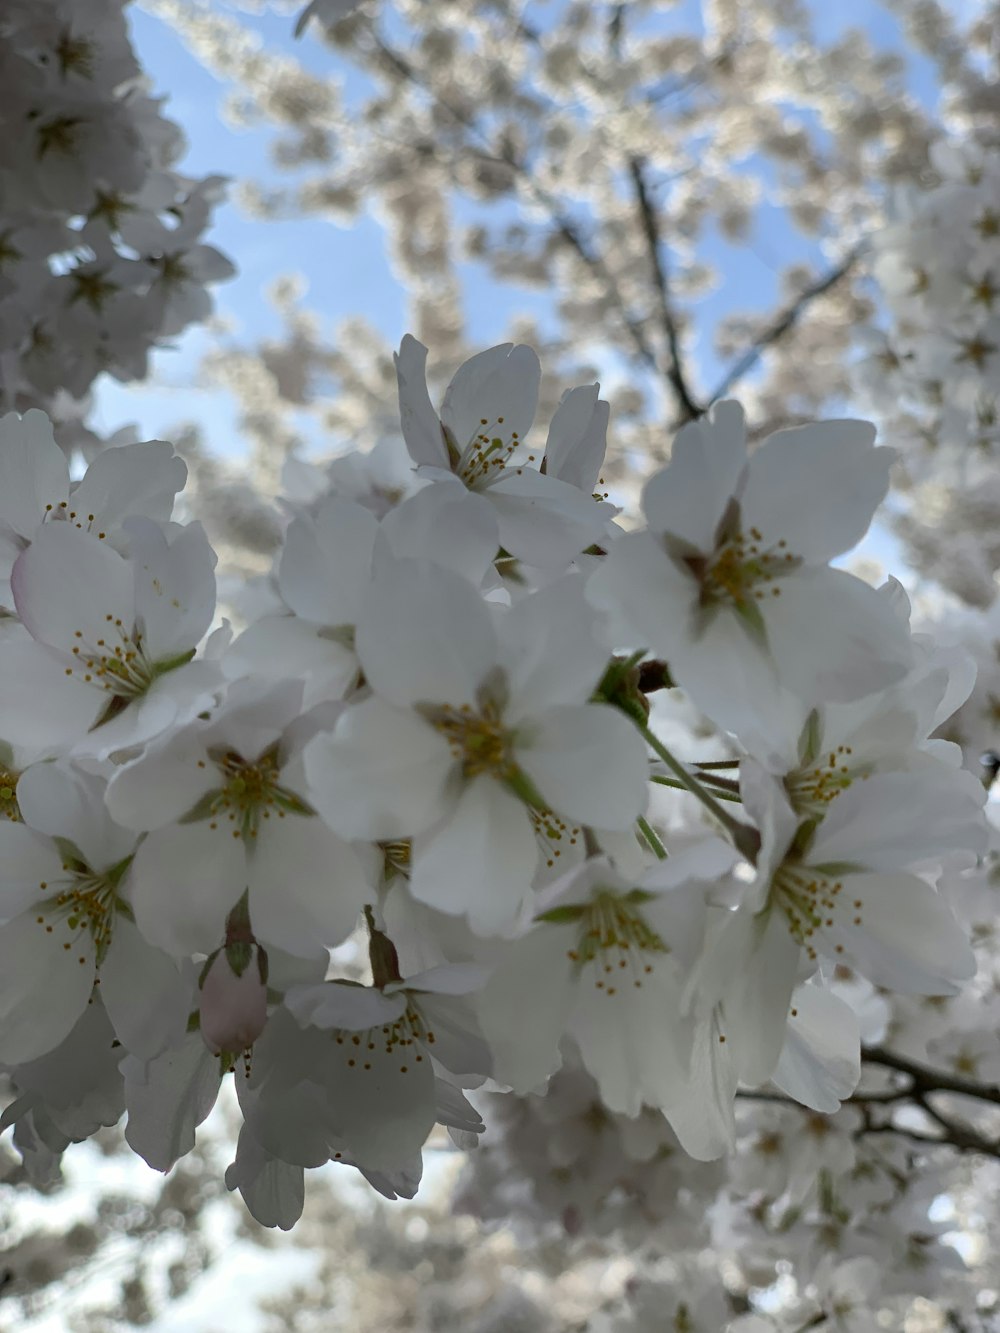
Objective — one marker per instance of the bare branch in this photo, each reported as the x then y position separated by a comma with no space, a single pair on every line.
785,321
687,406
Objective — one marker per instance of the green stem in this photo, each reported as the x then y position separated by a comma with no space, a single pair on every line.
745,838
682,786
654,843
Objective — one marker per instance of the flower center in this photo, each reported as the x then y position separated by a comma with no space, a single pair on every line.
114,663
487,454
615,945
811,902
85,903
9,808
811,790
478,740
403,1039
61,512
250,793
734,573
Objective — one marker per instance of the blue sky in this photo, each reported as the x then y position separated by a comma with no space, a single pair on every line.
347,268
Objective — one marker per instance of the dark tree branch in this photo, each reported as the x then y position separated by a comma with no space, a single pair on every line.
783,323
564,227
688,407
923,1082
924,1079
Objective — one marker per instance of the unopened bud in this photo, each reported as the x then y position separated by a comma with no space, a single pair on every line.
234,999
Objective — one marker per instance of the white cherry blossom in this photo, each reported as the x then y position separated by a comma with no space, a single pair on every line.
478,741
735,563
479,439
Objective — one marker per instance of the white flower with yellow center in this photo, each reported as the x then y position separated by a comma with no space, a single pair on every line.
478,741
221,802
65,901
731,581
843,890
111,638
35,487
546,516
605,963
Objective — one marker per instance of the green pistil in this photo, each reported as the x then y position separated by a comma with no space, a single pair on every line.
87,901
251,792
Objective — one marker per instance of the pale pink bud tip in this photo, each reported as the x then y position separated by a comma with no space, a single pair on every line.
233,1008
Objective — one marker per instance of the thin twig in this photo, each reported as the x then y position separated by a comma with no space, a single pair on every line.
785,320
686,403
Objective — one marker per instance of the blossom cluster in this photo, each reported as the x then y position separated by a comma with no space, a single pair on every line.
933,374
433,740
101,256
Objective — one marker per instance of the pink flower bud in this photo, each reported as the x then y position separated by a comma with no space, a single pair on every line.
233,1007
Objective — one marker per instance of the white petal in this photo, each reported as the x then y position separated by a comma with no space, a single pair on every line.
382,774
425,635
902,937
421,427
40,705
816,487
29,861
167,1099
550,649
64,801
480,860
632,1038
174,586
820,1062
499,386
525,1006
577,440
544,521
752,965
185,880
307,886
382,1100
146,997
70,589
648,601
273,1190
688,497
132,479
33,471
276,647
893,820
832,637
458,1043
164,784
588,762
44,987
326,562
447,524
702,1113
331,1004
